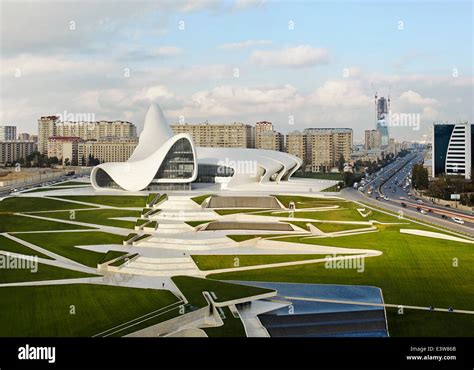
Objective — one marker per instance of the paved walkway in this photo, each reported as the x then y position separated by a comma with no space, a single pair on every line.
375,304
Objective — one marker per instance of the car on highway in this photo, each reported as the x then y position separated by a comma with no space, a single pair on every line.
419,201
423,212
458,220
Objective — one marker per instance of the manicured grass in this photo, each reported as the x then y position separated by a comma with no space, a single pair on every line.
144,236
321,175
196,223
310,202
333,188
150,197
213,262
97,308
97,216
34,204
18,223
413,270
130,201
415,323
43,272
123,259
8,245
244,237
199,199
328,227
232,327
141,222
223,212
71,183
64,244
347,213
192,289
110,255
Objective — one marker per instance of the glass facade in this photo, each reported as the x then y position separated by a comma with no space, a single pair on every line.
442,134
105,181
207,173
178,162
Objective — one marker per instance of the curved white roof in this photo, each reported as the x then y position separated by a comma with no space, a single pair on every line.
156,140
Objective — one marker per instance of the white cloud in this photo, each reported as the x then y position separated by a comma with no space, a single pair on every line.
340,93
299,56
245,44
412,97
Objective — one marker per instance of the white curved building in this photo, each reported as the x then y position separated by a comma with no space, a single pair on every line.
164,161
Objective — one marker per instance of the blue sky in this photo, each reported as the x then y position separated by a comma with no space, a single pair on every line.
324,72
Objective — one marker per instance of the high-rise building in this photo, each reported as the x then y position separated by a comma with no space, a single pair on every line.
7,133
296,145
326,145
222,135
76,151
263,126
14,150
51,126
372,139
452,149
382,108
270,140
46,129
106,150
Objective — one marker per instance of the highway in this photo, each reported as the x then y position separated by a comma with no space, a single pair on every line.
390,188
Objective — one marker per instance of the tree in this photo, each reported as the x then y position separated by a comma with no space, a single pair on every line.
349,178
420,177
340,163
67,162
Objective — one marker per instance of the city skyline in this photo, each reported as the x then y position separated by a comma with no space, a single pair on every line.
278,61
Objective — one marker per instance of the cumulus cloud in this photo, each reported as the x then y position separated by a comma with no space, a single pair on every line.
245,44
412,97
294,57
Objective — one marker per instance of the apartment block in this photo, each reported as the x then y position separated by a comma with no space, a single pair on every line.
51,126
14,150
325,146
221,135
7,133
373,139
296,145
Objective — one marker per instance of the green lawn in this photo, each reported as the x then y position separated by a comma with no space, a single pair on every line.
71,183
223,212
192,289
46,310
18,223
347,213
232,327
97,216
130,201
337,176
64,244
415,323
40,272
110,255
310,202
213,262
244,237
413,270
199,199
34,204
8,245
197,223
333,188
328,227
